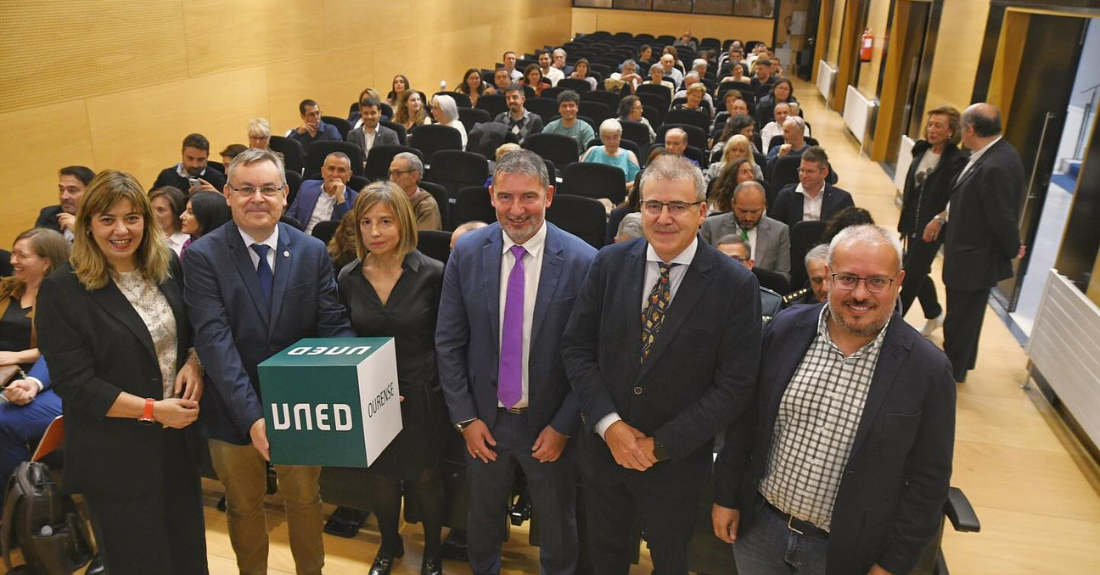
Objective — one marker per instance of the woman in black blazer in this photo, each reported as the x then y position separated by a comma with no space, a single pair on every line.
937,161
114,330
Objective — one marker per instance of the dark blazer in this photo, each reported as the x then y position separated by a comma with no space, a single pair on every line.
773,240
384,137
170,177
304,203
983,227
788,204
890,501
233,331
920,204
468,331
97,346
700,372
47,218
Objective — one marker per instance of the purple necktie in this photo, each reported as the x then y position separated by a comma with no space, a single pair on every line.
510,374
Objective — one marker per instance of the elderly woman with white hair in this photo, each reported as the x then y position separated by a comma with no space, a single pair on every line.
445,112
259,134
611,134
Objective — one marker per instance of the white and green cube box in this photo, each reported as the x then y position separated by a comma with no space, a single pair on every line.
331,401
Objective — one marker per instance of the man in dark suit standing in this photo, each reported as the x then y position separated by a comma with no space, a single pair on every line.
983,232
72,182
662,352
812,198
253,287
507,295
844,467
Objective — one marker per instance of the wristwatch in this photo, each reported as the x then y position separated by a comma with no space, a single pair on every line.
147,413
659,451
462,425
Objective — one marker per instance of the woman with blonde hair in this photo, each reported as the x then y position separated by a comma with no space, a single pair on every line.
737,147
392,289
259,134
114,329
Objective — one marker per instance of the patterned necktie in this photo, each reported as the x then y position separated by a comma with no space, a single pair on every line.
510,371
263,272
654,314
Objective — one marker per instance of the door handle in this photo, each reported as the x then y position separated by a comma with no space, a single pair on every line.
1035,165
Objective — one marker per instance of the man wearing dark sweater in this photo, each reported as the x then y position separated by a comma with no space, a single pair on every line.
196,150
313,128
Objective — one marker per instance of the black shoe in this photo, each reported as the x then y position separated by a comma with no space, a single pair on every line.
383,562
432,566
96,567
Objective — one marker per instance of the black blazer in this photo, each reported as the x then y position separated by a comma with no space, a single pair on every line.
699,375
97,346
921,204
890,502
983,227
47,218
788,204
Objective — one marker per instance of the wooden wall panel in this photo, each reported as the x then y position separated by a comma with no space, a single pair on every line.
832,55
958,50
119,83
587,20
877,20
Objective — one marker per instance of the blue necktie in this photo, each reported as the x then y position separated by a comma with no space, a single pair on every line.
263,272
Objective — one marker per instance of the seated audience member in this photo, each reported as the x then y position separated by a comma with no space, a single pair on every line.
657,77
763,75
781,112
231,152
533,78
736,148
205,212
794,140
672,73
501,80
72,182
552,74
355,116
559,62
519,120
611,134
630,228
632,203
817,270
463,228
412,113
406,170
734,103
777,66
676,142
581,72
398,89
473,86
193,169
742,124
501,151
313,128
845,218
327,199
569,124
782,91
627,77
259,134
811,199
509,59
696,94
737,74
691,79
370,133
686,41
737,248
734,174
29,405
169,204
445,113
631,109
699,65
341,248
768,239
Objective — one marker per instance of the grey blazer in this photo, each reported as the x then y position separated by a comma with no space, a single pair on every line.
385,137
773,240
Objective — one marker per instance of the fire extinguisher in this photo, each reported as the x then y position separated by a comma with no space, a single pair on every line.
866,46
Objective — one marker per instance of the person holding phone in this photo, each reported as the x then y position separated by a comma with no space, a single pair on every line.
192,174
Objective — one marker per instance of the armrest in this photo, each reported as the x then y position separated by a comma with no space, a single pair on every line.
960,512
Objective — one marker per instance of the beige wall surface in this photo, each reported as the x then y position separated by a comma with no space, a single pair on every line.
877,20
958,51
588,20
119,83
832,55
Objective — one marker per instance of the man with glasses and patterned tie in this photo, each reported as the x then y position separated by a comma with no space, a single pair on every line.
662,352
844,467
253,287
507,295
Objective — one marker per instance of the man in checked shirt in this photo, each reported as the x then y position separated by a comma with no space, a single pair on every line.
846,466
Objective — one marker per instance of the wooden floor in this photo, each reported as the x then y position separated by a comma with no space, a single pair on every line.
1036,495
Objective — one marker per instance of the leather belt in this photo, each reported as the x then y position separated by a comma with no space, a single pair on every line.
516,410
797,525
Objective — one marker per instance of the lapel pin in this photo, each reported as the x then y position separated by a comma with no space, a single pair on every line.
286,254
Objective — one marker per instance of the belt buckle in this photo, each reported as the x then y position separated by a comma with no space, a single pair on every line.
790,526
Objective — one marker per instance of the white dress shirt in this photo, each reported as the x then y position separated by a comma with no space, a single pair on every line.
322,212
272,242
176,241
553,75
532,271
811,207
652,273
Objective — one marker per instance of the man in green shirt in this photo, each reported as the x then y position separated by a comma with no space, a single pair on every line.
568,124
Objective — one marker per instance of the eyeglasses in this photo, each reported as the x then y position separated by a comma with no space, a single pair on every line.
266,191
677,208
875,284
396,173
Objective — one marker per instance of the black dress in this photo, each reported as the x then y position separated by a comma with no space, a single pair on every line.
409,316
15,329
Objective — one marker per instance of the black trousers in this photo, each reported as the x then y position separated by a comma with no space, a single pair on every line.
159,532
963,327
918,283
